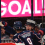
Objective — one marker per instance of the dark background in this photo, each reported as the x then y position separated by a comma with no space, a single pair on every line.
11,20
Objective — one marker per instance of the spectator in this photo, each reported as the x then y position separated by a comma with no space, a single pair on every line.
11,36
3,35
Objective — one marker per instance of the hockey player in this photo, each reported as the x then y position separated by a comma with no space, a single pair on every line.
31,25
18,29
37,30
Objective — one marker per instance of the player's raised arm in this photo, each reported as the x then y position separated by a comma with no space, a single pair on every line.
8,28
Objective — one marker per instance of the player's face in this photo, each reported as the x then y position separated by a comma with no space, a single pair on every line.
28,27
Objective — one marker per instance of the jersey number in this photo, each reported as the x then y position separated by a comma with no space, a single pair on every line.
29,41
